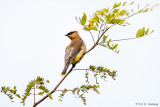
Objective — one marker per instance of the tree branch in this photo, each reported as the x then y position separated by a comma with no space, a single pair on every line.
54,88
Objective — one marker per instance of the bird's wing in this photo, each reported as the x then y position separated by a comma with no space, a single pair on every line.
70,54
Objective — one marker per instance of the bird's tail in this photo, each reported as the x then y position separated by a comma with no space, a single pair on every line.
65,69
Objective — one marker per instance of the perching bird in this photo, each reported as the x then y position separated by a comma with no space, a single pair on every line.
74,51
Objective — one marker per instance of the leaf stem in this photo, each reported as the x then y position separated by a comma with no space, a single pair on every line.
92,36
34,92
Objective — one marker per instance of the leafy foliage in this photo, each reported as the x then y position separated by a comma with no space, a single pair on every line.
103,19
10,92
38,83
107,43
102,72
79,91
142,32
62,94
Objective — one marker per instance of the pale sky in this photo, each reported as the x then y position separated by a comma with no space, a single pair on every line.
32,44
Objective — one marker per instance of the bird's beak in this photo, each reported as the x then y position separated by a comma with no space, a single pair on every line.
66,35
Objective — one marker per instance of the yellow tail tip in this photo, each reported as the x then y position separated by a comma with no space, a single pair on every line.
63,75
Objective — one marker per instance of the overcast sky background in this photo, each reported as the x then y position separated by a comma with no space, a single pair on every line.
32,44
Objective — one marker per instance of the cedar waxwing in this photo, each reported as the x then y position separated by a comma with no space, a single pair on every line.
74,51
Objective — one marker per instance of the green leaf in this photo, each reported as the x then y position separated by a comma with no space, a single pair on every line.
18,95
94,28
104,39
84,19
92,67
40,93
123,12
121,22
85,28
119,4
152,31
115,46
97,24
123,3
96,17
78,92
99,12
60,100
115,10
146,32
49,95
92,20
138,33
115,5
105,10
132,3
108,42
76,18
142,31
47,81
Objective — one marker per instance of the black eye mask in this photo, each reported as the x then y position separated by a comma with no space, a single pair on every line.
69,33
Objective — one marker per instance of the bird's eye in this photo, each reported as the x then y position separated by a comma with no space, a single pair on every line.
70,33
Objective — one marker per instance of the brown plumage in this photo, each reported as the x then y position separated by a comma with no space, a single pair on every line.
74,51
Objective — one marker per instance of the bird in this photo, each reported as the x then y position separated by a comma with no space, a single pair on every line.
74,52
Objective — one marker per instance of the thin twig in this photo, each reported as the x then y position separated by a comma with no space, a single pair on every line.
123,39
139,11
100,30
92,36
54,88
85,70
33,94
63,90
80,69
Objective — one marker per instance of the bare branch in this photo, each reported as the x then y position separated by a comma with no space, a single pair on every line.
128,38
80,69
123,39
